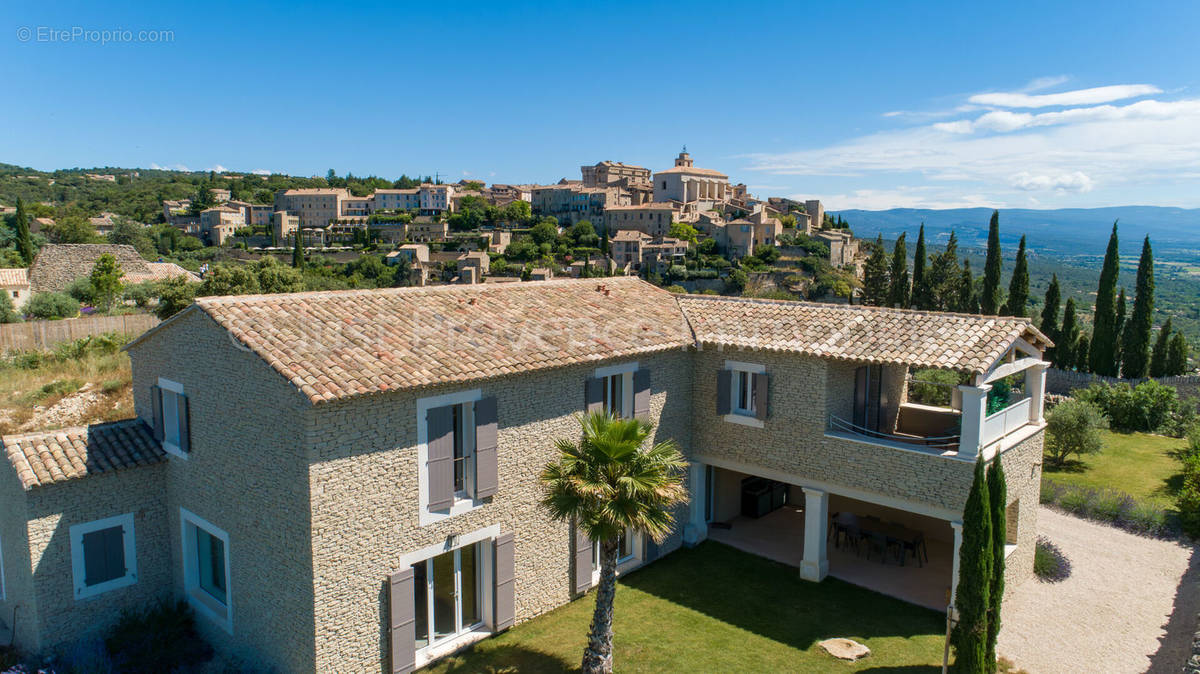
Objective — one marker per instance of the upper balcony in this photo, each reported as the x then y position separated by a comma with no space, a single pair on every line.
947,412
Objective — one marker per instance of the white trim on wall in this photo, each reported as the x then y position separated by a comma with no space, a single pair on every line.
2,594
170,447
78,563
461,505
198,598
626,371
742,417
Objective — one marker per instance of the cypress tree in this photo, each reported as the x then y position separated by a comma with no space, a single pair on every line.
1158,356
972,598
944,275
297,251
968,303
1102,358
1140,325
997,497
898,276
989,299
922,293
1018,288
24,240
1119,329
1049,324
1066,353
1083,346
1177,355
875,276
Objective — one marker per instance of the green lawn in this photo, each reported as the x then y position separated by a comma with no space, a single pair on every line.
716,609
1138,464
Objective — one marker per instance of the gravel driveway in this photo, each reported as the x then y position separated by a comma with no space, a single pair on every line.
1129,606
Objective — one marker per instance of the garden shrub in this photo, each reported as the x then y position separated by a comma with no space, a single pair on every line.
1148,407
933,387
50,306
160,638
1074,428
1110,506
58,387
1049,562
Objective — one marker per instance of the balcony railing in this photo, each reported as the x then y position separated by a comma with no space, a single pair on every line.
1005,422
941,443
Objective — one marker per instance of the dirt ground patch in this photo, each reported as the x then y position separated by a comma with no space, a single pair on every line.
1129,605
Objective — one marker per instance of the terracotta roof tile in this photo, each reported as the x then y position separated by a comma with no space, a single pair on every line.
339,344
870,334
49,457
14,276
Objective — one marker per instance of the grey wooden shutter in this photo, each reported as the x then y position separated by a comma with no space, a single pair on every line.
95,560
156,412
641,393
860,397
651,552
440,457
583,561
114,551
185,426
403,629
593,394
505,603
724,386
762,397
487,480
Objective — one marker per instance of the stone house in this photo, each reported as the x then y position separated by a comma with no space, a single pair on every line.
346,481
57,265
14,282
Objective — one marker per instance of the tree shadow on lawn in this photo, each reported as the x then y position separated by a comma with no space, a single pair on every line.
769,599
505,659
1067,466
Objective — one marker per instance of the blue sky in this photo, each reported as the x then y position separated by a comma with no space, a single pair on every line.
870,105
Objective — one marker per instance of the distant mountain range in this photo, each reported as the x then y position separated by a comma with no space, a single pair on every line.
1066,232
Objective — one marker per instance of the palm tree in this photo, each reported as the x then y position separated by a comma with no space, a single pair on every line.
609,482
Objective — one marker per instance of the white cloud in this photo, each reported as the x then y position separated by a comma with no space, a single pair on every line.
900,197
217,168
1042,83
1091,96
261,172
170,167
1076,181
1122,152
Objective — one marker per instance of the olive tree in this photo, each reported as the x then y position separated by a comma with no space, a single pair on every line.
1073,428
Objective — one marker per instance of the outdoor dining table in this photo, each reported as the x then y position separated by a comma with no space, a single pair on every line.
892,533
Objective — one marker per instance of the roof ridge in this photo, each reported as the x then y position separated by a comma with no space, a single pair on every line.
66,430
857,307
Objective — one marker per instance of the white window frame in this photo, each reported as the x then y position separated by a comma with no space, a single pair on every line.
199,599
78,565
486,535
463,502
171,448
624,564
740,415
625,371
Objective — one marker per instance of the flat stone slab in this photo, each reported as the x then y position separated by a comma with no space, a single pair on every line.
845,649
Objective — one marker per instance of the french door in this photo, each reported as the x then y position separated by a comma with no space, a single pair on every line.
446,594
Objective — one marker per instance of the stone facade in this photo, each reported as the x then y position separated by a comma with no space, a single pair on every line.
365,463
321,501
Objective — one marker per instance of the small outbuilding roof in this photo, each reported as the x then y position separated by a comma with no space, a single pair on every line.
50,457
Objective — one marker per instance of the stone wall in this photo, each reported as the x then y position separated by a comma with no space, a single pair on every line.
18,608
804,392
57,265
246,474
1062,382
52,511
1023,477
365,465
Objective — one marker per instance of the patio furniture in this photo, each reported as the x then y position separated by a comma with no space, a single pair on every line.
916,545
845,529
756,497
877,542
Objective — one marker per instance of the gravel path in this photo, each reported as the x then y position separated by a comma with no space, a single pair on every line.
1129,605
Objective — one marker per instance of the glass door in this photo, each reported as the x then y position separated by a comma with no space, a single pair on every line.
446,595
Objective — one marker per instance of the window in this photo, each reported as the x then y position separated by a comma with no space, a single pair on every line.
446,432
447,595
625,546
171,408
617,383
206,568
463,451
744,396
103,556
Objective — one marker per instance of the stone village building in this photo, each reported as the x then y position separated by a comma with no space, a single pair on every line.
347,481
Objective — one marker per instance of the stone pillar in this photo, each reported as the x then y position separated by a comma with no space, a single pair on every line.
974,411
1035,386
696,529
957,526
816,522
